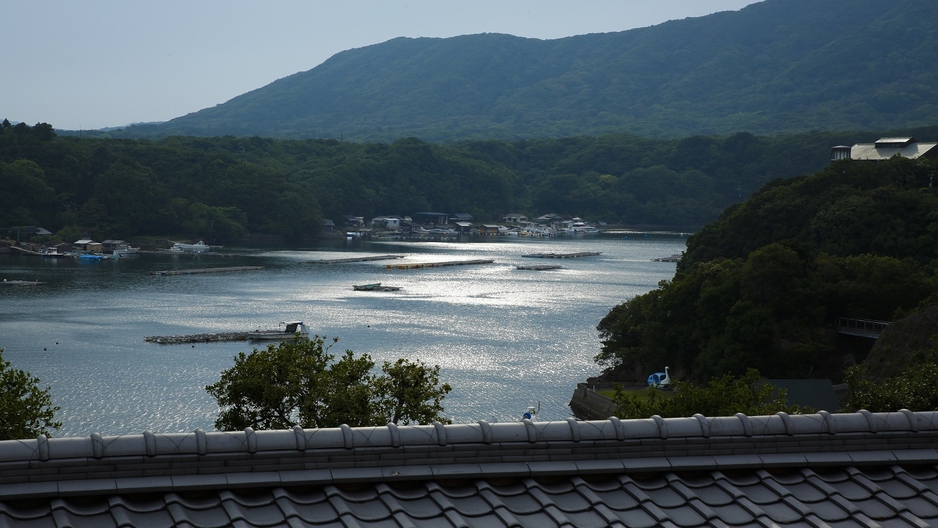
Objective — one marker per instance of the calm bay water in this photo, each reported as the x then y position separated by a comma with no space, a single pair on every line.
504,338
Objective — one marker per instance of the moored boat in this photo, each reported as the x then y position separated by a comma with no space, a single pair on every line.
198,247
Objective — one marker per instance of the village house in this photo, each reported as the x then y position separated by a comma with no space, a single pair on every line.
515,218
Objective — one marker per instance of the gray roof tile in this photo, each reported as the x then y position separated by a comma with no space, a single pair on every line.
207,516
793,471
733,514
317,513
130,516
250,509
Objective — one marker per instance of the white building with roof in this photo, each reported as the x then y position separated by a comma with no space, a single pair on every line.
885,148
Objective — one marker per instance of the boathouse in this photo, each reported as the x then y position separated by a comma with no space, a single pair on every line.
431,218
859,469
87,245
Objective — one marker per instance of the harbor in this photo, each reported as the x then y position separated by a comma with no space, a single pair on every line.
483,324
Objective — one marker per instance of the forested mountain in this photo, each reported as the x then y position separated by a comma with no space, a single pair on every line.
778,66
218,188
761,286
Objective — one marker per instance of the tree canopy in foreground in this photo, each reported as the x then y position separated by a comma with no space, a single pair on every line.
26,410
301,383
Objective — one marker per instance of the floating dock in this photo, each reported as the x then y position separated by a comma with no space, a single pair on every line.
354,259
206,270
20,283
198,338
375,287
417,265
217,337
673,258
541,267
564,255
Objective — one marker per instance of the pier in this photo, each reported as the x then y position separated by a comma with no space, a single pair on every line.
564,255
353,259
205,270
417,265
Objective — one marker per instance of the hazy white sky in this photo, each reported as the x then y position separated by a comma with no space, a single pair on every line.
98,63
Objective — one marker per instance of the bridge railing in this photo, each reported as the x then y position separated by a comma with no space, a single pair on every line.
860,327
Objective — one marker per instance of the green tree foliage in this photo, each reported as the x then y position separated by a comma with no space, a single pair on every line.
26,409
915,389
722,396
410,392
224,187
761,286
301,383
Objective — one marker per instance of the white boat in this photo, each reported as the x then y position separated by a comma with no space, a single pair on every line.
288,330
198,247
124,251
578,227
531,413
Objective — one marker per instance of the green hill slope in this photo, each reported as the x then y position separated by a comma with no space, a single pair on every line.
761,287
773,67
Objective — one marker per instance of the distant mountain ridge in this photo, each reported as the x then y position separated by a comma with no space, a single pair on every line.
774,67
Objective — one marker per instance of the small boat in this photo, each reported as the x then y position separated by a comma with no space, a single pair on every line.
93,256
290,330
198,247
531,413
124,251
52,253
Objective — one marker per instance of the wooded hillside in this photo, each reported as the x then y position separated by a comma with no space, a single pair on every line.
761,286
778,66
223,187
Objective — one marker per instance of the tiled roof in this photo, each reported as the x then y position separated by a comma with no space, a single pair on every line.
858,469
885,150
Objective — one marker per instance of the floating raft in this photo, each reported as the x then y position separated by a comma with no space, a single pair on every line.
564,255
20,283
417,265
198,338
206,270
375,287
541,267
354,259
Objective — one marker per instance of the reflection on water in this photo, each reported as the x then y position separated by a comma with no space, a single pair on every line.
504,338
